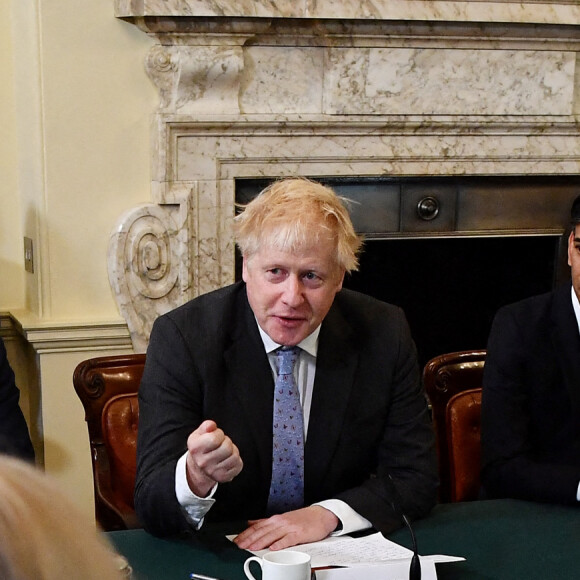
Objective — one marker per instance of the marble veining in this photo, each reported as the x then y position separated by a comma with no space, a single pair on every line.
547,11
449,82
266,88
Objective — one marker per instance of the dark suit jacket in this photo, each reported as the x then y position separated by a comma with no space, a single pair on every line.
531,401
14,437
206,360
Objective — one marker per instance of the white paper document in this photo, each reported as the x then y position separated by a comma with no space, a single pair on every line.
347,551
373,552
392,570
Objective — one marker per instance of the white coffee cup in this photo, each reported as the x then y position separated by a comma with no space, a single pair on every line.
284,565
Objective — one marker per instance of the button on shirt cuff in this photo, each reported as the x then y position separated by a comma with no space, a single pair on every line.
195,508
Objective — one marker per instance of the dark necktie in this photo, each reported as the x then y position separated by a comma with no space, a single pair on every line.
287,486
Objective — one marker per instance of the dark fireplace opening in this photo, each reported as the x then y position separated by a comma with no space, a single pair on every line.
495,240
451,288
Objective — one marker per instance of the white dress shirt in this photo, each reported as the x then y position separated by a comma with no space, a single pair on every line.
576,306
305,369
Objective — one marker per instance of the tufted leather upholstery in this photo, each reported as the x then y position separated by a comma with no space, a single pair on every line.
107,388
119,425
444,376
463,418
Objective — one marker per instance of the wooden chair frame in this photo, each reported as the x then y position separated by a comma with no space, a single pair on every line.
99,382
444,376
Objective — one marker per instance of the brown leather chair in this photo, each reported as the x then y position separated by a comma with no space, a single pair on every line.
444,376
463,420
107,387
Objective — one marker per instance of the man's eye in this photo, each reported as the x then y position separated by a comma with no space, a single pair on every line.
311,276
275,272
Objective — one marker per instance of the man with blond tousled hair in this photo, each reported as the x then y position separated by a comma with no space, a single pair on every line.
206,398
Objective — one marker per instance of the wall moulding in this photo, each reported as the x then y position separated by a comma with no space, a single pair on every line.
187,30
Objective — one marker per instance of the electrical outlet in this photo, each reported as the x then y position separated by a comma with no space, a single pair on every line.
28,255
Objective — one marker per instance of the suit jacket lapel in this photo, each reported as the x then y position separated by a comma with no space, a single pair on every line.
335,369
566,340
251,381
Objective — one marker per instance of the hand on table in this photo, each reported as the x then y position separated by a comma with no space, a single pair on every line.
309,524
212,458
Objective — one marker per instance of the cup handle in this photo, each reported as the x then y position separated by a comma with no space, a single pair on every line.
247,566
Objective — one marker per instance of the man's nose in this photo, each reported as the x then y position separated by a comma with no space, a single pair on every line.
293,295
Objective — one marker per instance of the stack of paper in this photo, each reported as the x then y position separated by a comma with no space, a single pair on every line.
372,556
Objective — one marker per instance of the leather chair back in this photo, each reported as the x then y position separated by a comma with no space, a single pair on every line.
120,419
108,387
463,419
444,376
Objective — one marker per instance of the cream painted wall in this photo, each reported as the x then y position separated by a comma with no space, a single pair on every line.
97,102
11,270
74,155
76,104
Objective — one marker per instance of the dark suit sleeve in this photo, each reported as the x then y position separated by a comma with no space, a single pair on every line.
169,411
14,436
518,390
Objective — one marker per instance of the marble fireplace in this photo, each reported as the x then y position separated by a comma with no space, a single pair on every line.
451,95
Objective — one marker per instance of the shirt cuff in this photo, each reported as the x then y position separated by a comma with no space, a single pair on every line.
351,521
195,507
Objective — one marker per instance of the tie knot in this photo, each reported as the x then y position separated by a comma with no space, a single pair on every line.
287,357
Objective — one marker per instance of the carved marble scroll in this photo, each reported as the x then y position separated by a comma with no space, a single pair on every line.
149,265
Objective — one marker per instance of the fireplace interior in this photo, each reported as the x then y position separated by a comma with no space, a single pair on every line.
450,288
451,272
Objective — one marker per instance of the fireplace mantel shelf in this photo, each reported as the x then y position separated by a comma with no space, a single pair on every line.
565,12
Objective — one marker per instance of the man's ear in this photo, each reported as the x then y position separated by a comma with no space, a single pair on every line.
571,240
340,280
244,269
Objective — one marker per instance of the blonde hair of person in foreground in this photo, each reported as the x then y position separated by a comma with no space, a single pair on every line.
43,536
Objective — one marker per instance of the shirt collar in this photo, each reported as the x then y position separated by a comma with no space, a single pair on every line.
309,344
576,306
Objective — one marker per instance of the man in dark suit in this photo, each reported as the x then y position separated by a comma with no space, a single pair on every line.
207,395
531,394
14,436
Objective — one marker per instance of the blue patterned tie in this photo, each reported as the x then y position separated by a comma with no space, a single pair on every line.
287,486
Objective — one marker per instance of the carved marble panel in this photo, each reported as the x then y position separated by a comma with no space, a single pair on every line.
400,81
197,79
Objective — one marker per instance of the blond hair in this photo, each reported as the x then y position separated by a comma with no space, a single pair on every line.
295,213
44,536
